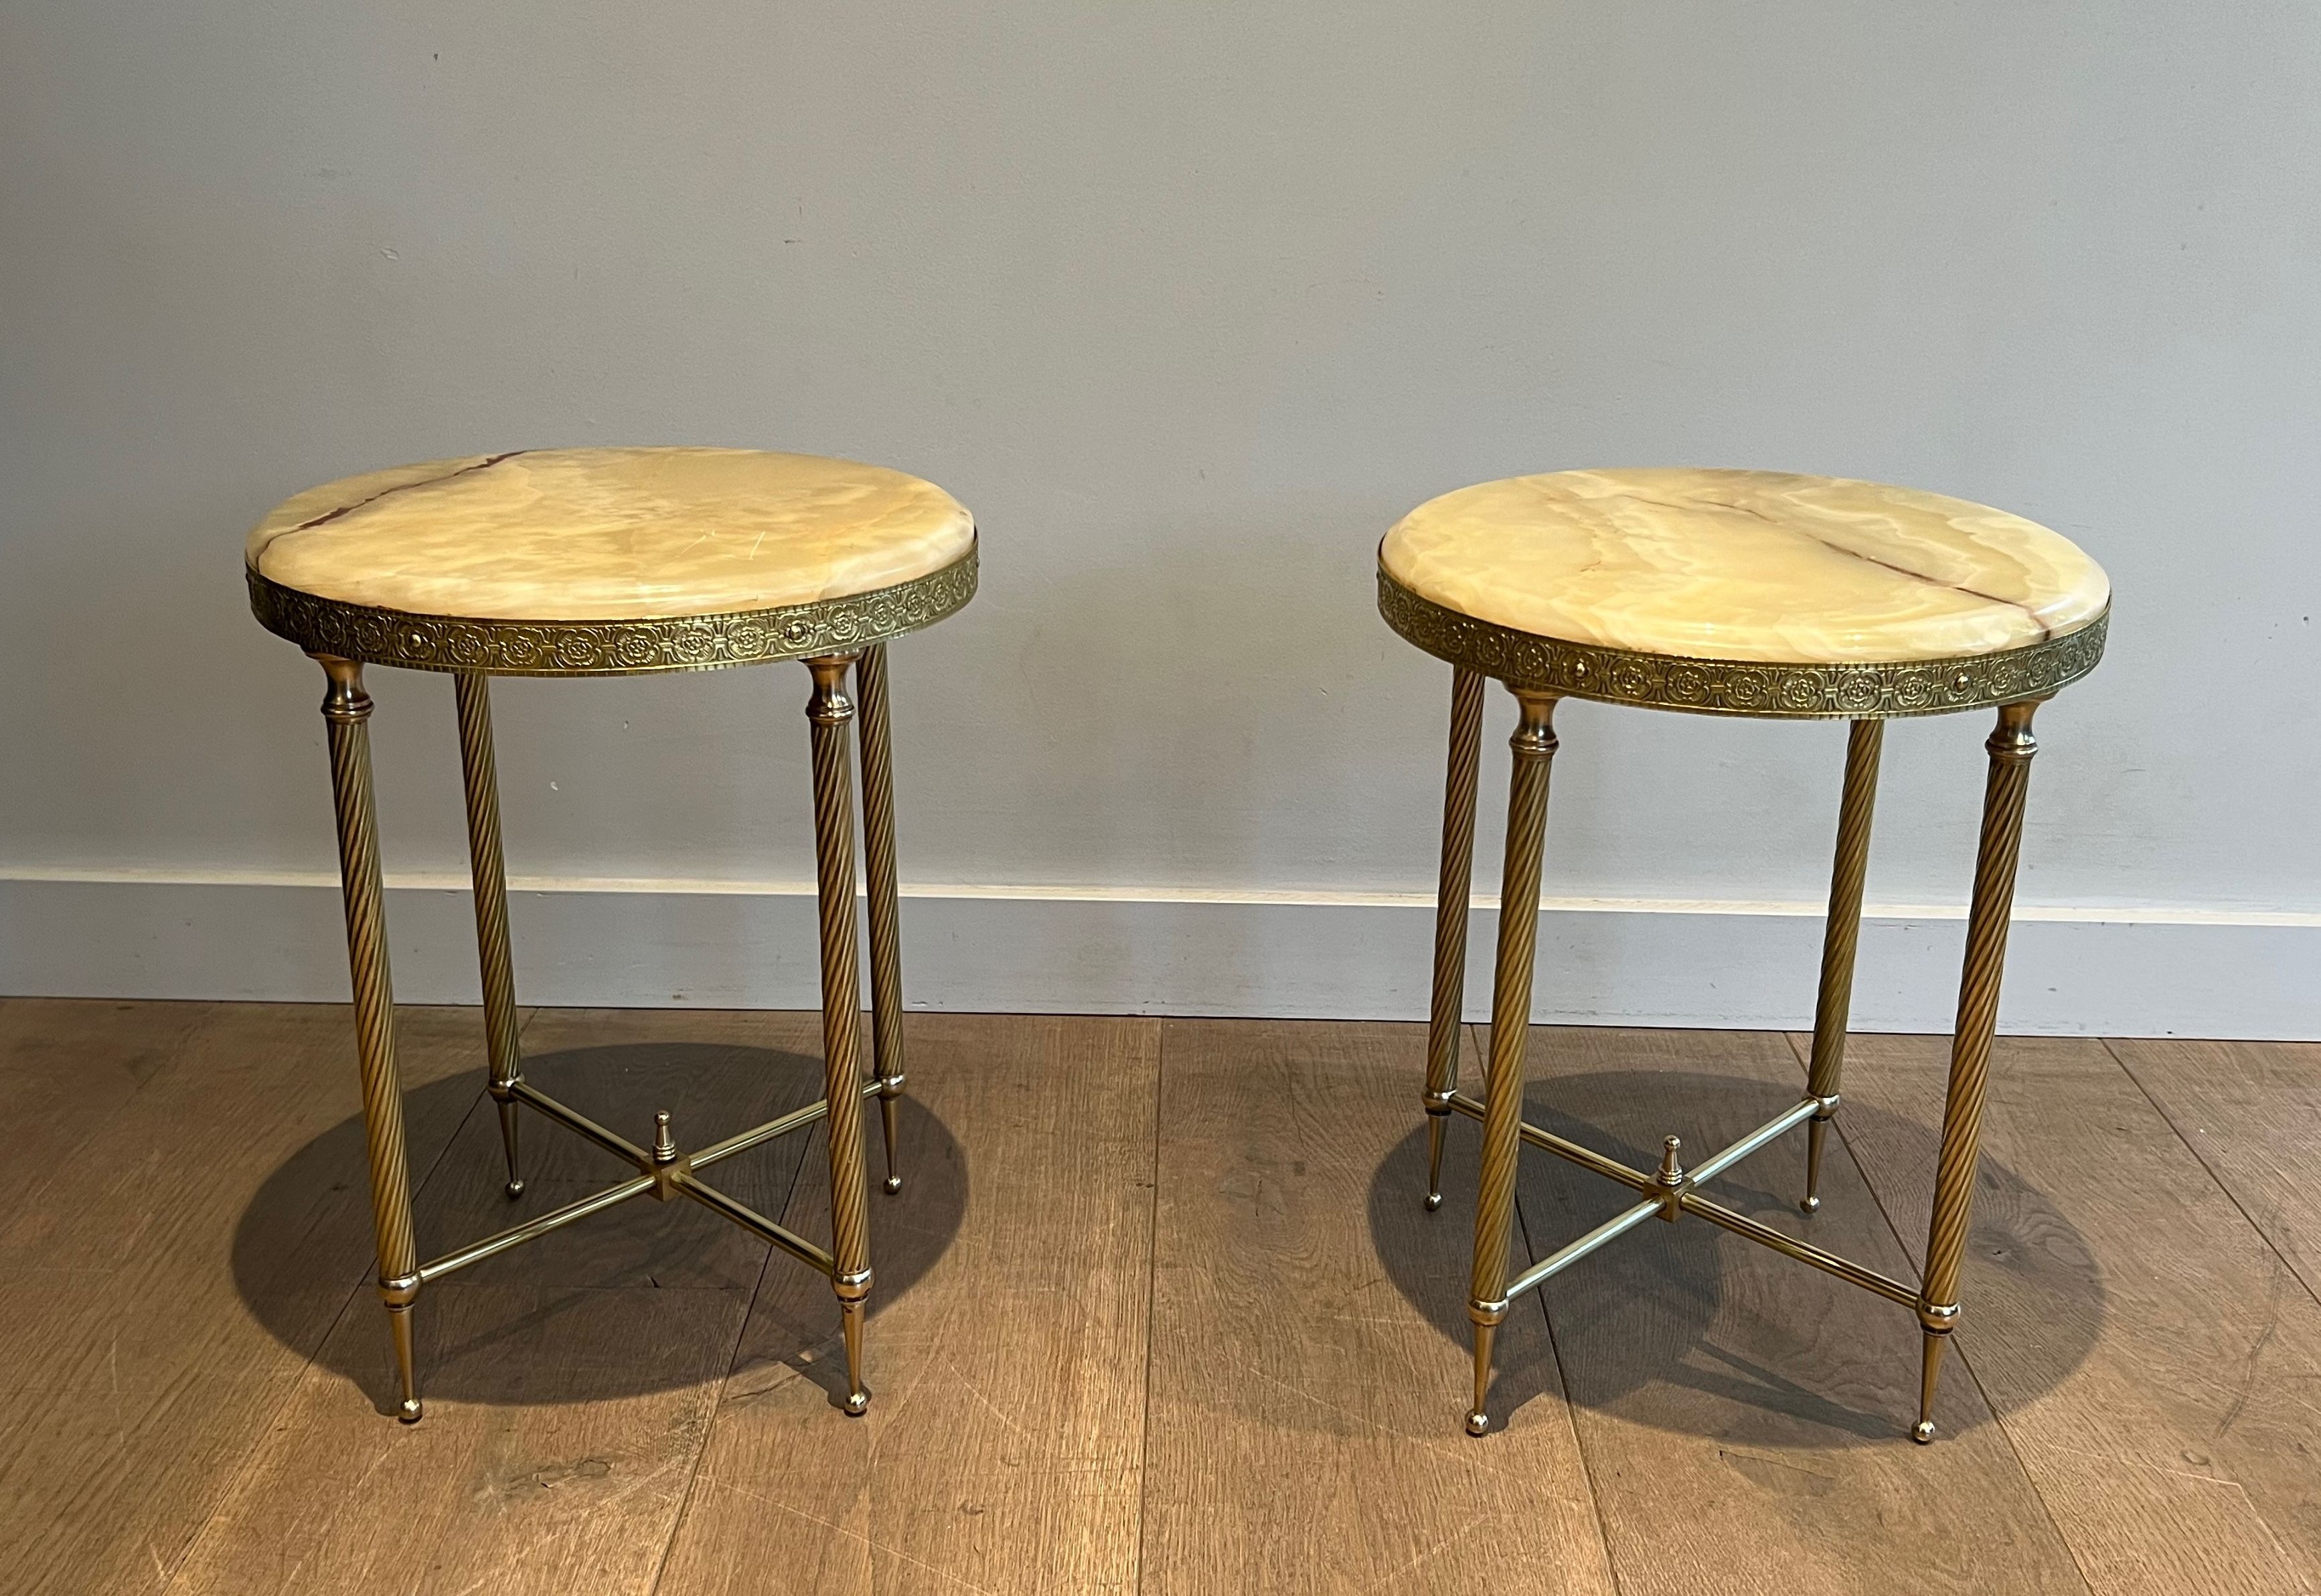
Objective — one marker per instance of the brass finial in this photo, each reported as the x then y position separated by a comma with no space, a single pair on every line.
1671,1178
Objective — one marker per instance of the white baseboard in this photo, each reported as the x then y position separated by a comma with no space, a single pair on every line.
2124,972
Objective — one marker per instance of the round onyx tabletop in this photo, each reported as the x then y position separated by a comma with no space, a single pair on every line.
610,560
1745,592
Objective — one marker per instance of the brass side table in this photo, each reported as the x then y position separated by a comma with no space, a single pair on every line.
614,562
1744,593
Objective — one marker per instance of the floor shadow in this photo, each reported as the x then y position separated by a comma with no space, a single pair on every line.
315,1209
1688,1328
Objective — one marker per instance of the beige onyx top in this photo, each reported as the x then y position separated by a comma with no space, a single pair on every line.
1758,566
599,534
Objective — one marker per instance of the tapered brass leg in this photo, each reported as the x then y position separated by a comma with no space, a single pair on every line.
1450,894
2011,747
346,712
1495,1203
829,710
886,908
1839,938
473,691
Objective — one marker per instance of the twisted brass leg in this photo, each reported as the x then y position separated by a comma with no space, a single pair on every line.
346,712
1839,938
1450,895
829,710
2011,747
886,910
1495,1203
473,691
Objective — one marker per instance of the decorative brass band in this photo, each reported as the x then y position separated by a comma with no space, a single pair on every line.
609,648
1848,691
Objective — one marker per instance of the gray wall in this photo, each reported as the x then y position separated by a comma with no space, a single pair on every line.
1188,301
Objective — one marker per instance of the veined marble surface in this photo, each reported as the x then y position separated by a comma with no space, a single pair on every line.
598,535
1760,566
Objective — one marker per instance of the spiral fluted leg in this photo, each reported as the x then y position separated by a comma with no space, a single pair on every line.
886,906
346,712
1840,936
828,711
1450,894
1534,751
473,691
2011,747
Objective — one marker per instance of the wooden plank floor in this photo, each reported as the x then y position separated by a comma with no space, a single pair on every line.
1156,1311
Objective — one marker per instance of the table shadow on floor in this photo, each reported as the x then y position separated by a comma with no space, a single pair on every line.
295,1237
1688,1327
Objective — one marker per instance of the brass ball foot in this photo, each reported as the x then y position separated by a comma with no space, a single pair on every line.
1811,1205
894,1184
1477,1423
1433,1201
1923,1431
407,1412
515,1188
858,1403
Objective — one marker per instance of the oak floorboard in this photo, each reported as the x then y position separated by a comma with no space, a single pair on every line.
1249,1378
1005,1347
1310,1340
2250,1112
568,1481
567,1384
165,1292
2155,1362
1745,1416
67,1065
